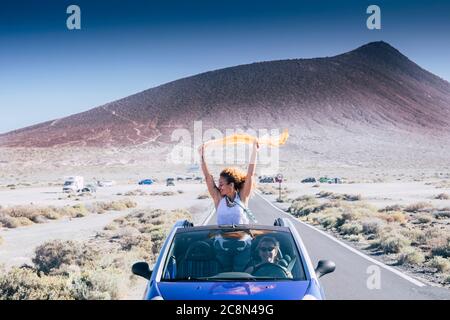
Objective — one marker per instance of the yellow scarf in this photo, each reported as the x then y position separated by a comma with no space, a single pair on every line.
248,139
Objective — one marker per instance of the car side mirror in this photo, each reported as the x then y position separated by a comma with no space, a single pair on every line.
142,269
324,267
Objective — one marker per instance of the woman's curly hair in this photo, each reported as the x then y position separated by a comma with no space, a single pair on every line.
234,175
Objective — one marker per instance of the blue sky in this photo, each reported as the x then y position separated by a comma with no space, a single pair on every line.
123,47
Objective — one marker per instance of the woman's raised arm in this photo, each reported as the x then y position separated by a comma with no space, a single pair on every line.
249,179
212,188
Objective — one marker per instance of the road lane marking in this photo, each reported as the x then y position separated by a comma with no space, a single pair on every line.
213,210
372,260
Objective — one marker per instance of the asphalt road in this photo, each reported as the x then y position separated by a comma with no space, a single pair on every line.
357,276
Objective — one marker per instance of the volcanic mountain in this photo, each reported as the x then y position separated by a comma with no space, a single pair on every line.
372,91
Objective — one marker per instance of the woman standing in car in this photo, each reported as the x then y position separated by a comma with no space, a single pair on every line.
235,188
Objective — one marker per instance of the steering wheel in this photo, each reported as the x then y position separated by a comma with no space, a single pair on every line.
270,270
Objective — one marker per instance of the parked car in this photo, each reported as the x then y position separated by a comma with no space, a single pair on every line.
89,188
309,180
211,262
73,184
335,180
267,180
106,183
324,179
199,179
146,182
170,182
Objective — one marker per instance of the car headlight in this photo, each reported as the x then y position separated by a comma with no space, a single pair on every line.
309,297
157,298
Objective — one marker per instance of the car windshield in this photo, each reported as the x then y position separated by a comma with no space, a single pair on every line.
233,255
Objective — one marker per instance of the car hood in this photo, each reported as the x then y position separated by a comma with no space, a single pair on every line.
235,290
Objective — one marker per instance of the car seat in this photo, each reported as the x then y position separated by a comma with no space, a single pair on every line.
199,261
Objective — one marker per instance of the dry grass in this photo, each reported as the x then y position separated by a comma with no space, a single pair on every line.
94,269
19,216
419,206
411,256
440,264
338,196
413,235
443,196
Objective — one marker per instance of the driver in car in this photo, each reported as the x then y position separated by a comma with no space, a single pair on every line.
267,250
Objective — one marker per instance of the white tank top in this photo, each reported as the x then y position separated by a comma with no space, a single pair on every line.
231,215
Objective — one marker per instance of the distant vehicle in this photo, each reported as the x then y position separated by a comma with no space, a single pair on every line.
324,179
89,188
198,179
309,180
267,180
146,181
335,180
106,183
73,184
180,178
170,182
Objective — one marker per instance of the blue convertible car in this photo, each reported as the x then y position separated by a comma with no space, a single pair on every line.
243,262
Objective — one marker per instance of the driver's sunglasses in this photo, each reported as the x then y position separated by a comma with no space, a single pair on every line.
266,249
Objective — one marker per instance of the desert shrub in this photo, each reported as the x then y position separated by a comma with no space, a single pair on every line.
180,191
392,243
352,197
411,256
24,221
98,284
353,237
315,185
443,196
423,218
300,208
130,241
28,212
51,255
394,207
328,221
137,192
442,214
157,235
203,196
9,222
325,194
416,236
78,211
392,216
442,249
111,226
372,226
398,216
419,206
119,205
351,228
348,214
25,284
440,264
163,193
267,189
